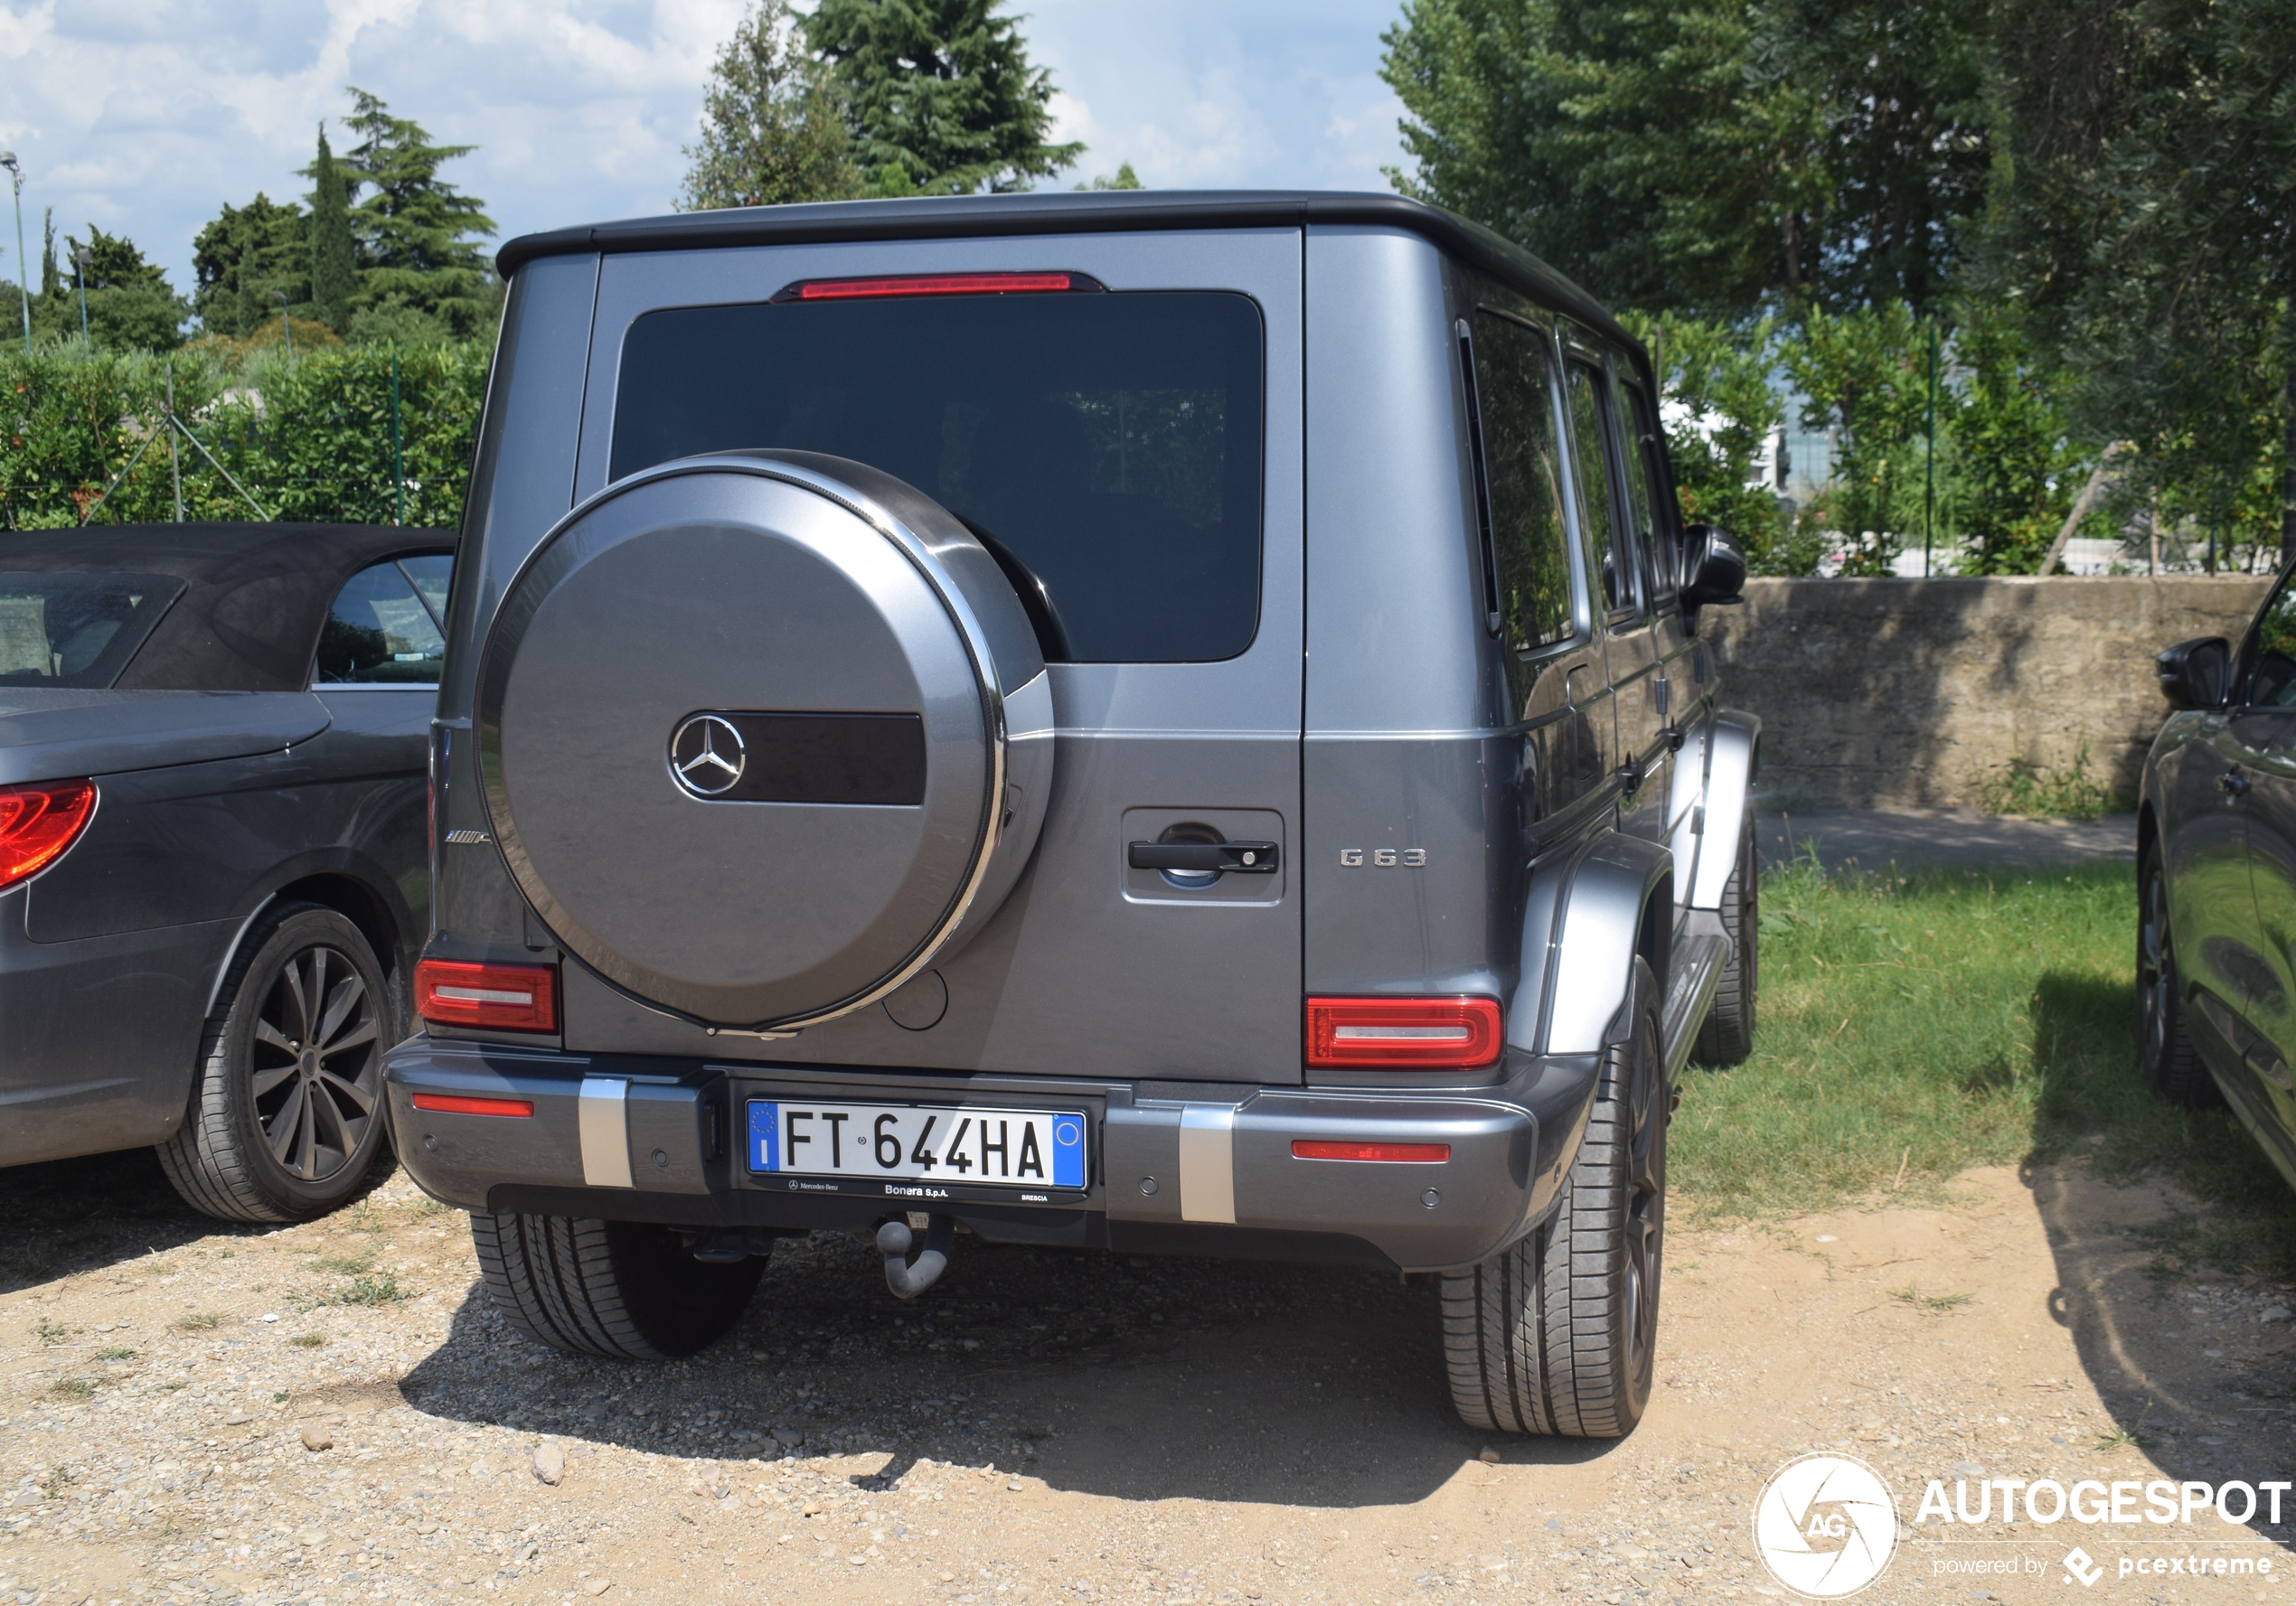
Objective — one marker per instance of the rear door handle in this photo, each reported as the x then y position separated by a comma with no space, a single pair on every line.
2233,783
1241,858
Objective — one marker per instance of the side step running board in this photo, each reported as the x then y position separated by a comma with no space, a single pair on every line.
1698,972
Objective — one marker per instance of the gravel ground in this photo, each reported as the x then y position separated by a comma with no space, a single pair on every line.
329,1414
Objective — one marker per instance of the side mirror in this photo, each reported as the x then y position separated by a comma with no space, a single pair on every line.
1713,566
2197,674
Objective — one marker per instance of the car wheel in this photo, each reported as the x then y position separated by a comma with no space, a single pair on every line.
626,1291
286,1113
1726,1038
1557,1335
2164,1042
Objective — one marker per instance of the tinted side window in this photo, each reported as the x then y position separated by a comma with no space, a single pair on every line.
61,629
1590,446
1106,445
1523,477
432,573
1639,438
380,631
2272,671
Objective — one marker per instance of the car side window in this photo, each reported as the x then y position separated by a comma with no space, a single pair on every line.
432,573
1590,448
1522,475
1638,444
380,631
2272,667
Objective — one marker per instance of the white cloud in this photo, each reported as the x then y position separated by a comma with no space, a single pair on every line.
146,115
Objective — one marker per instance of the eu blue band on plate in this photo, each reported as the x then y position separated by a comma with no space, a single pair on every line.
765,1127
1067,1151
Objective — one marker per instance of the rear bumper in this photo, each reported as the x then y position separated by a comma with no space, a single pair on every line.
1180,1168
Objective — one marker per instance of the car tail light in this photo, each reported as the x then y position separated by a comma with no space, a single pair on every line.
1407,1154
1402,1033
455,1104
934,284
501,997
38,822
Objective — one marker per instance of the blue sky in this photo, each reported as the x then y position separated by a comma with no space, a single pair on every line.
146,115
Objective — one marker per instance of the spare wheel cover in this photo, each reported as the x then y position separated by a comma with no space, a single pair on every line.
743,726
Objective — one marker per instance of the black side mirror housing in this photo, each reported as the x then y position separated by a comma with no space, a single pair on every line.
1713,566
2197,674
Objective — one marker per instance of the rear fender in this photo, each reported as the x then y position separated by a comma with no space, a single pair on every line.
1583,926
1733,750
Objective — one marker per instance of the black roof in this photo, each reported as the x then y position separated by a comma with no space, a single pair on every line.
956,217
254,598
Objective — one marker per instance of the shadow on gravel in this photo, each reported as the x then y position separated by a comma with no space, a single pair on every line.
1140,1379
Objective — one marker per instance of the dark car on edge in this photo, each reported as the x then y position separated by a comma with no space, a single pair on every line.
213,846
2216,868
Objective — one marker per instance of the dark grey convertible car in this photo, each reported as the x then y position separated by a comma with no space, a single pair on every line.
213,848
2217,869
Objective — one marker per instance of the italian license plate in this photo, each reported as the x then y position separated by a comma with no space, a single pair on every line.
944,1143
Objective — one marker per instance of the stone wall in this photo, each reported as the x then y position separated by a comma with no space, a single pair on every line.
1914,692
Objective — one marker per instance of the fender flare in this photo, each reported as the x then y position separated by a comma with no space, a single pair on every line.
1583,925
1732,762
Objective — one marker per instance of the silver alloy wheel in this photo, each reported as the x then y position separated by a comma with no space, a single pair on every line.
316,1064
2155,970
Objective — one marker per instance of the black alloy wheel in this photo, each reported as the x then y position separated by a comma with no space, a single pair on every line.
2170,1061
286,1113
316,1064
1648,1106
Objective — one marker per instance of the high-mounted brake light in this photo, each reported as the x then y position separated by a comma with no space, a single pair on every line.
1408,1154
451,1103
1402,1033
934,284
499,997
38,822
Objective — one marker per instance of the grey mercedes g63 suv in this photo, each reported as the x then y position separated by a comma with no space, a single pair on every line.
1160,723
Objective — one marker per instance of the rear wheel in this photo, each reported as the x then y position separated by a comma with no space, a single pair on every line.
1557,1334
626,1291
1726,1038
287,1115
2172,1064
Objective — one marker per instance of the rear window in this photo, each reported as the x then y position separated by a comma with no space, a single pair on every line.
77,629
383,629
1107,446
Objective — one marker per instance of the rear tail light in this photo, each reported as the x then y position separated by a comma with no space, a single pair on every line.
454,1103
38,822
934,284
1402,1033
1407,1154
499,997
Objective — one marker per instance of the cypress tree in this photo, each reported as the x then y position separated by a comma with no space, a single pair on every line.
334,267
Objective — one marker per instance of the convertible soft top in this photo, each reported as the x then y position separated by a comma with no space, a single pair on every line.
254,598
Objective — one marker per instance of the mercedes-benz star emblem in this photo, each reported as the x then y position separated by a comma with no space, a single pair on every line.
706,756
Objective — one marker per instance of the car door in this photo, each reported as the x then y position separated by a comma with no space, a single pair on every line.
1675,686
1630,652
377,671
2260,742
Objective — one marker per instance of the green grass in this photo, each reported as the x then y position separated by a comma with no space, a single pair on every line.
1912,1027
197,1321
382,1290
349,1265
2050,792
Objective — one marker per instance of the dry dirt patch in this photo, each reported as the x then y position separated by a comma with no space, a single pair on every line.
1046,1426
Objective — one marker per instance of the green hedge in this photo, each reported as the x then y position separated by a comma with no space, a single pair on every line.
308,437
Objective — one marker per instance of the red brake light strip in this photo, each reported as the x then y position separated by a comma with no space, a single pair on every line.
1408,1154
934,284
456,1104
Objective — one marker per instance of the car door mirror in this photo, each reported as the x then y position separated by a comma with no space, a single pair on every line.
2197,674
1713,566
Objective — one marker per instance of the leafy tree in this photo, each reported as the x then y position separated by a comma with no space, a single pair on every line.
418,238
2148,212
1719,407
938,95
333,253
772,131
1125,179
1717,156
1866,377
2015,464
241,256
130,306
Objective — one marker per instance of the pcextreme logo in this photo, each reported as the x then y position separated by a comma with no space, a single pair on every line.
1825,1525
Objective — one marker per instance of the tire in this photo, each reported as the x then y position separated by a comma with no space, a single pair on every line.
1557,1334
2171,1063
622,1291
278,1130
1726,1035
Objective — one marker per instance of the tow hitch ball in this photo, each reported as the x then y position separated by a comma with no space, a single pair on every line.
893,1241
